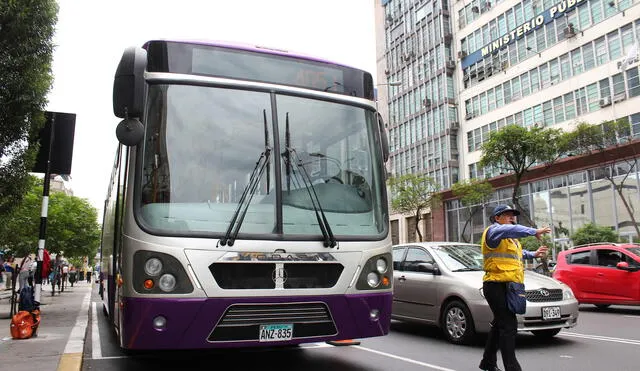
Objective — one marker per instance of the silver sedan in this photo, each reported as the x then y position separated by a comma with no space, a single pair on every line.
440,283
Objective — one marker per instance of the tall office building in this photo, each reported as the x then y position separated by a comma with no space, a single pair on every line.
470,67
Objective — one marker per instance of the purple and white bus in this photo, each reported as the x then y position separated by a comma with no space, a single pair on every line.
247,203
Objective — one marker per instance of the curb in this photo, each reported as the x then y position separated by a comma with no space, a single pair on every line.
71,359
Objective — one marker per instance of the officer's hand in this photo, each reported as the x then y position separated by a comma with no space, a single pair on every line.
541,252
541,231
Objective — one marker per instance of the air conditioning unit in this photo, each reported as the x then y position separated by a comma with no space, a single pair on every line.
606,101
462,54
389,18
570,31
426,102
475,9
469,116
455,125
447,38
387,72
450,65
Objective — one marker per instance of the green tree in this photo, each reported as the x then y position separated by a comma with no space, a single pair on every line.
515,149
26,49
474,193
591,233
72,225
589,139
413,193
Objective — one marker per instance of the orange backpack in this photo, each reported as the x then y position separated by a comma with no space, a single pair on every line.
24,324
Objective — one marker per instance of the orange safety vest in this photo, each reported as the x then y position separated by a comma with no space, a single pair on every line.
504,263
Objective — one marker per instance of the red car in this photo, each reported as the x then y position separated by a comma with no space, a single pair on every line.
602,274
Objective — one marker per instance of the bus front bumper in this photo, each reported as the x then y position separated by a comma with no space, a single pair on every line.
175,323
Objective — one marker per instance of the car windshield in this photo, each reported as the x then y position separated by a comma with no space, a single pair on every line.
203,144
634,250
460,258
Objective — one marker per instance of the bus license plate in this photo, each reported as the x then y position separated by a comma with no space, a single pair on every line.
276,332
550,313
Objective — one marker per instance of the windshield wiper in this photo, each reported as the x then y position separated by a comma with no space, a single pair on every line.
467,270
243,205
329,238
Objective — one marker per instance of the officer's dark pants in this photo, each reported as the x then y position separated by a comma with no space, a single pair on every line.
503,329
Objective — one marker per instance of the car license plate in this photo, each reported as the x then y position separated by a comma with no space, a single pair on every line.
550,313
279,332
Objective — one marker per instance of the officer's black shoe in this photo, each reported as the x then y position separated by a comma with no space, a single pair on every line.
484,366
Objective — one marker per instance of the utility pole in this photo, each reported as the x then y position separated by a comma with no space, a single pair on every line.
43,213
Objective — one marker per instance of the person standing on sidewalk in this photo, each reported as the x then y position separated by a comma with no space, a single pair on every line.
503,256
25,271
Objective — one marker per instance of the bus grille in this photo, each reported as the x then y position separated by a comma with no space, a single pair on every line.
241,322
251,276
542,295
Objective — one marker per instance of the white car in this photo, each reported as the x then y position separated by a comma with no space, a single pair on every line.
440,283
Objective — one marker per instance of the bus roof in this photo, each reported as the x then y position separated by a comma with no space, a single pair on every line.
250,47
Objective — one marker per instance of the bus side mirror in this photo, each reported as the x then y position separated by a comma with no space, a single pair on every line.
384,139
128,95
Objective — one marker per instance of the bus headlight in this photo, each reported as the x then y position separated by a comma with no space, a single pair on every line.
153,267
376,273
167,283
373,279
381,265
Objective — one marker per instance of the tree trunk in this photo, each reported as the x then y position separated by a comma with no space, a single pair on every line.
516,202
628,207
418,224
624,200
466,223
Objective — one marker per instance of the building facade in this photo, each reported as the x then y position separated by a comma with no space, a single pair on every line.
479,65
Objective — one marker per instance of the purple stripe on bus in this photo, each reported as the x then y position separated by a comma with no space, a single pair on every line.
191,321
253,48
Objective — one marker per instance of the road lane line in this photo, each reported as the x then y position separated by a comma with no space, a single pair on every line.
601,338
409,360
96,347
71,359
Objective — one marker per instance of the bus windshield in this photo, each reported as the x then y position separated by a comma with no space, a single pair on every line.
202,145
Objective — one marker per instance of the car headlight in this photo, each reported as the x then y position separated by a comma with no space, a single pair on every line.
567,293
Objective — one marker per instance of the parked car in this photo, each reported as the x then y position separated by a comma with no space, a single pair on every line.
602,274
551,265
440,283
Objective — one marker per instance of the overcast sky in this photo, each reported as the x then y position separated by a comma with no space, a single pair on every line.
91,36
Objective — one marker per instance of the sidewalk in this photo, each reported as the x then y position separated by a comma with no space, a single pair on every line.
60,340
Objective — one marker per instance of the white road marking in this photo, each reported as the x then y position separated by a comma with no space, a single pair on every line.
76,338
636,317
409,360
96,347
601,338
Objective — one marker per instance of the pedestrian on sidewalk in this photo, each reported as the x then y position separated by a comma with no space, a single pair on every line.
503,255
25,271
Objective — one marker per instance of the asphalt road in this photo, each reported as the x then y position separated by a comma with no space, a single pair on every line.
603,340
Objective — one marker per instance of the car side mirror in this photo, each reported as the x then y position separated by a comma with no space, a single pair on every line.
625,267
428,268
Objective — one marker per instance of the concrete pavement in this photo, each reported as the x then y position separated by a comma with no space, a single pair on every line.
60,338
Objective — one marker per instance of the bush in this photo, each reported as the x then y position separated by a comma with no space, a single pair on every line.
591,233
